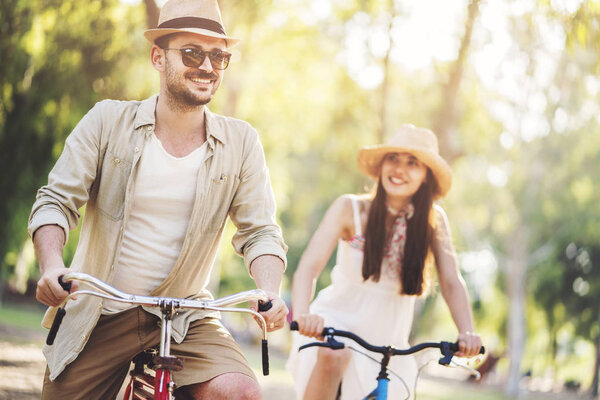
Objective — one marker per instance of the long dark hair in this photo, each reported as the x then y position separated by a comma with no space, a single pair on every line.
419,234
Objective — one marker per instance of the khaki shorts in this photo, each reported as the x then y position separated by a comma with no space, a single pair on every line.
207,351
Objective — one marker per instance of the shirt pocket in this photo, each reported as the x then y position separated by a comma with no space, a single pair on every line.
219,196
113,185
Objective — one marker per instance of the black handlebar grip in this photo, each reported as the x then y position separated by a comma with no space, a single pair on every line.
454,348
60,313
264,306
293,326
265,357
65,285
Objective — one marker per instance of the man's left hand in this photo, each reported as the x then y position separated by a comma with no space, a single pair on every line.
275,317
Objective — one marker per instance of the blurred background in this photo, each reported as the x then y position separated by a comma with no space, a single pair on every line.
511,88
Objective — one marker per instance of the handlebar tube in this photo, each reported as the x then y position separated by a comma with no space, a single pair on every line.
381,391
168,306
446,348
221,304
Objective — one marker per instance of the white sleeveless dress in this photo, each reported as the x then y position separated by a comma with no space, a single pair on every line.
373,310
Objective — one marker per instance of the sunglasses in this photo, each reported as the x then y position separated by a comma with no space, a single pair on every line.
194,58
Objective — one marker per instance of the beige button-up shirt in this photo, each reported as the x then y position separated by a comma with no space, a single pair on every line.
97,168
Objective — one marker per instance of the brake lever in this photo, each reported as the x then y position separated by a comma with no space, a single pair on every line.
448,353
470,370
334,344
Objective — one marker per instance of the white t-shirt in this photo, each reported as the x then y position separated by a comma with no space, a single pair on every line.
162,205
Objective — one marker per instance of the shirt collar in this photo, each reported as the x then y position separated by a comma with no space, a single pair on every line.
146,116
145,112
213,127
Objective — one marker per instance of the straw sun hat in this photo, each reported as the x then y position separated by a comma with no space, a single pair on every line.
202,17
420,142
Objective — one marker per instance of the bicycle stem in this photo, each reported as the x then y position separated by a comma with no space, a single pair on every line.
168,309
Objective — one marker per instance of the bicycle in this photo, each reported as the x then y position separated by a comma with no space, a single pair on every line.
381,390
144,385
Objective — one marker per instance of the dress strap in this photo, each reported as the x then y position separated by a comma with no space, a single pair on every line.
356,212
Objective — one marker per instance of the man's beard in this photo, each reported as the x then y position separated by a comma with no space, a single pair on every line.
180,97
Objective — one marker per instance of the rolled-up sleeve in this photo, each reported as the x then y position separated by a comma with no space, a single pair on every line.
253,207
69,181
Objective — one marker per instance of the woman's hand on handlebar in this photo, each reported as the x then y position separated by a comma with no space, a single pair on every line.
49,291
469,344
310,325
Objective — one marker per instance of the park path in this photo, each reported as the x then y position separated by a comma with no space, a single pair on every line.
22,368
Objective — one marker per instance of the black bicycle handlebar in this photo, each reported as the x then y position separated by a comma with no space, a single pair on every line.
60,314
265,306
65,285
446,348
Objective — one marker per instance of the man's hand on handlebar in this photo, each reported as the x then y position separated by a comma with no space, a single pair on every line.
275,315
49,291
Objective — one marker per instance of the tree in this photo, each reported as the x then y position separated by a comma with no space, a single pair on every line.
61,59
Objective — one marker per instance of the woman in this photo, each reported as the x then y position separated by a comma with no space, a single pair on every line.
380,272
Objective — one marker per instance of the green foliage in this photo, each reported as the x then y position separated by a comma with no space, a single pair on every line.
58,59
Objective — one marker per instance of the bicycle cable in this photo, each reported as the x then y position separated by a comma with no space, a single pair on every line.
419,373
388,369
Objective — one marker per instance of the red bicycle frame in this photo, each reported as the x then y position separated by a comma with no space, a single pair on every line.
141,381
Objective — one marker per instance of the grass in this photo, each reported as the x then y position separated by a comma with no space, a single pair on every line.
444,390
22,317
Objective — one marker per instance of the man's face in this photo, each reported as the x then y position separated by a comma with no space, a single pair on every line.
189,87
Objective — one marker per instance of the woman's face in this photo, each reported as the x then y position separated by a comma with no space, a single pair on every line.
402,175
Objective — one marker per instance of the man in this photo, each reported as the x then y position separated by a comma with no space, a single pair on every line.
159,179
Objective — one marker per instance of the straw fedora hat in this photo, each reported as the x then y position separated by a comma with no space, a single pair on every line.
202,17
420,142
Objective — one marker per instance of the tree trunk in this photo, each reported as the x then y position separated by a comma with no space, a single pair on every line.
384,95
595,381
446,117
385,84
554,351
516,319
152,12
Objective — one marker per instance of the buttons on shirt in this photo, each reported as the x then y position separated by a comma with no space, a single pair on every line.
221,179
117,161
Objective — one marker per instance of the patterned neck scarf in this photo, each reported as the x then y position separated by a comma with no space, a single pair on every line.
394,248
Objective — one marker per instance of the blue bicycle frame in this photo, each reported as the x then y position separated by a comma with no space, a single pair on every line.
381,391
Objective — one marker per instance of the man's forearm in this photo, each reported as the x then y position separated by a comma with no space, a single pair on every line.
48,242
267,271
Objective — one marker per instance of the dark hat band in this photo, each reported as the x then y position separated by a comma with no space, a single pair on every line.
193,22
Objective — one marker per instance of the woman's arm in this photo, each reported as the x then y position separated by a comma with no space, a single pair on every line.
453,287
314,259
